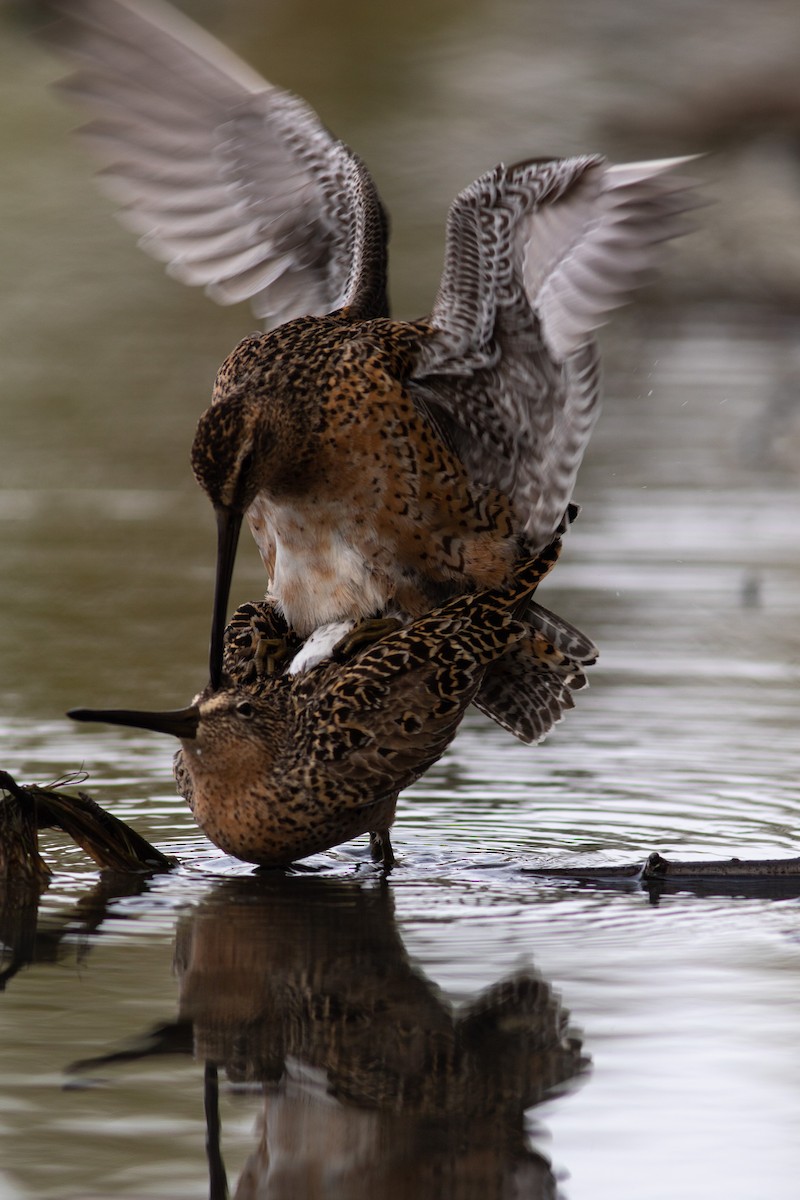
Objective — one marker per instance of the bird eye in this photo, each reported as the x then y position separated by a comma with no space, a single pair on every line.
245,708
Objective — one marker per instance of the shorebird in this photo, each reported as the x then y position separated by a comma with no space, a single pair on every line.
279,766
382,465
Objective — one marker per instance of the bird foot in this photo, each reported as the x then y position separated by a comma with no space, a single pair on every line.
271,655
364,635
258,643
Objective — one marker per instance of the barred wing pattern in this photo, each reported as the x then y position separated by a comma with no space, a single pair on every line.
528,691
380,723
537,256
234,183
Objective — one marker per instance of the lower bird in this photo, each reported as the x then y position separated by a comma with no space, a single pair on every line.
279,766
382,465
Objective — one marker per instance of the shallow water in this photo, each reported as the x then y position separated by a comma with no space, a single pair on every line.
469,1027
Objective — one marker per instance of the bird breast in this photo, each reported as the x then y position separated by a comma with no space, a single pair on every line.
322,567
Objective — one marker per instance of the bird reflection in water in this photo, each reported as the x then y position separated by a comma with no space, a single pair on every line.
373,1083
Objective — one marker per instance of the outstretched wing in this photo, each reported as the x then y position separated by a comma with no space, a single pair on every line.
232,182
537,256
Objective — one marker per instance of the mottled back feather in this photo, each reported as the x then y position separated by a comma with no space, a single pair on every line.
373,725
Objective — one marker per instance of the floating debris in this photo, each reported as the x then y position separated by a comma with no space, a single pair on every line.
26,809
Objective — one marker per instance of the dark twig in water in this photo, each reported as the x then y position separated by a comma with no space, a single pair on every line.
657,867
739,876
109,842
20,860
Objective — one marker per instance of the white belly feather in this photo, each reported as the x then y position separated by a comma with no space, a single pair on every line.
319,576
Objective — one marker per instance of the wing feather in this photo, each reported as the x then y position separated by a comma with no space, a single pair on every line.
232,182
385,718
537,256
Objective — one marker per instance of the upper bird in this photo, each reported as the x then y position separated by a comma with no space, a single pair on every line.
382,465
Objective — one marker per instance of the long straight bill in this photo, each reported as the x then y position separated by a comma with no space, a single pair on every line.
180,722
228,525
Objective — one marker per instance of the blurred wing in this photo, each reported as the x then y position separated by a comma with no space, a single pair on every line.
232,182
537,256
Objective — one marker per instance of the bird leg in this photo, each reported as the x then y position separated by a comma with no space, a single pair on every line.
380,847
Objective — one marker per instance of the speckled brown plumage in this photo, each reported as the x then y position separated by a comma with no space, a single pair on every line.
382,465
276,767
526,690
366,509
326,752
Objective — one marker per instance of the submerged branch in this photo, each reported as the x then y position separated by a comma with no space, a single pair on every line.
740,876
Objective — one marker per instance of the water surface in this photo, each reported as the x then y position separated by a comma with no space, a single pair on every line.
469,1022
